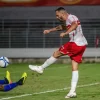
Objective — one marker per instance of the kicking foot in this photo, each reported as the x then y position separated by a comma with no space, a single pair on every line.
37,69
8,78
23,78
71,95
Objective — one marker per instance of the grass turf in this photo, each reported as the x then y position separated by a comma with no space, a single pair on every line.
57,76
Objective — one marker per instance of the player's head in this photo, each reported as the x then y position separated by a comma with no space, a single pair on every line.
61,14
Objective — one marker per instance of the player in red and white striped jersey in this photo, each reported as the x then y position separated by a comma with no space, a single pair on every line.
74,48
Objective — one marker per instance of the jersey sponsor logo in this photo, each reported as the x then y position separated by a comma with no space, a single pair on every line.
70,1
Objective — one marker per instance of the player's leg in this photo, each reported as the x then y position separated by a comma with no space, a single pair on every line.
72,92
11,86
47,63
52,59
6,79
3,81
74,75
76,58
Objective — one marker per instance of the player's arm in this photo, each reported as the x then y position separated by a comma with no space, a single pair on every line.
58,28
73,27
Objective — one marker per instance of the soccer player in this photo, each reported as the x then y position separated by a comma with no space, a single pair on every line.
74,48
9,85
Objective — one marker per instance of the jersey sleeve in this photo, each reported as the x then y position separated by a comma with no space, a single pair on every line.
72,18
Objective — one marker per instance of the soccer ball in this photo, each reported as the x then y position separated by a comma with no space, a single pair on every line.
4,62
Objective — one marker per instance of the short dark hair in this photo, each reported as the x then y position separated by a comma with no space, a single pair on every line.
60,8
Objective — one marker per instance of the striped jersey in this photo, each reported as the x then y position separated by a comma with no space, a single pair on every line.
77,34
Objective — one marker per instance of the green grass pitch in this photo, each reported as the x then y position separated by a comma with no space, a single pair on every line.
50,85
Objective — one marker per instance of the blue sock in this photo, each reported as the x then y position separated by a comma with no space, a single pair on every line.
2,82
9,87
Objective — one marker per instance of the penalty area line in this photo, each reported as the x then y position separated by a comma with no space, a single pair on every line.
24,95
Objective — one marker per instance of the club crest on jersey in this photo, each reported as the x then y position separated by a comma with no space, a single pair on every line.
70,1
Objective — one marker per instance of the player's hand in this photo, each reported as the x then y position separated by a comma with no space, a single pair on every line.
62,35
46,31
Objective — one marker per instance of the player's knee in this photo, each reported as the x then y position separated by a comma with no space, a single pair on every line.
56,54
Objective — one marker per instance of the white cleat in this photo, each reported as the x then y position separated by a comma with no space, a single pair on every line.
37,69
71,95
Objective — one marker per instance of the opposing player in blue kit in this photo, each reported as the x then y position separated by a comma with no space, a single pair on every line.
6,84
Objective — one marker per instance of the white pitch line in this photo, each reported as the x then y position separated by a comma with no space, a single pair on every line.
24,95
